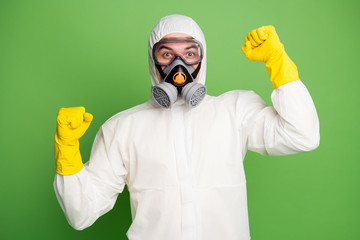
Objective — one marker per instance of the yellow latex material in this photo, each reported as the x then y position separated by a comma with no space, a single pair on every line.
263,44
72,123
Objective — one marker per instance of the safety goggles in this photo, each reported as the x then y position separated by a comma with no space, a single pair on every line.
189,50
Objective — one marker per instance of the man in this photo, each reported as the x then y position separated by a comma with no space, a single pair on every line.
181,154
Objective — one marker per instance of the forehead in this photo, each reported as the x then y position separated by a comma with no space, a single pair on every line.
174,36
181,45
176,41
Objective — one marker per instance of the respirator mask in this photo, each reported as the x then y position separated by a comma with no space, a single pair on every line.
175,61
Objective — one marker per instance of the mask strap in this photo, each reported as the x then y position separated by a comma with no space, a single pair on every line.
162,74
196,71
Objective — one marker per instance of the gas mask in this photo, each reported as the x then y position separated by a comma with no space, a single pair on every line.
174,59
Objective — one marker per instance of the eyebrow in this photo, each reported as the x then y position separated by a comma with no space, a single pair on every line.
192,46
163,46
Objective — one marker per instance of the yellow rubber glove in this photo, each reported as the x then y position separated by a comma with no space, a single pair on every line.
263,44
72,123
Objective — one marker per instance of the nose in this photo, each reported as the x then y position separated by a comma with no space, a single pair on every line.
175,58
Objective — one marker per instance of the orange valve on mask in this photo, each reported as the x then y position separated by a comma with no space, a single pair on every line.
179,78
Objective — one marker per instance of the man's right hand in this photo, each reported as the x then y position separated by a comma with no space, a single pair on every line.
72,123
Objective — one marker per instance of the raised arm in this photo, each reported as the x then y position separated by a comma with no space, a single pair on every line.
292,124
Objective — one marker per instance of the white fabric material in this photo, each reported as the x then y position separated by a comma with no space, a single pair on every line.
184,167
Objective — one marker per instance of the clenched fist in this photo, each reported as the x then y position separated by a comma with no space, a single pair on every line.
72,123
262,44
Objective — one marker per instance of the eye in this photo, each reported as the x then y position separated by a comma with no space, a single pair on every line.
190,54
167,54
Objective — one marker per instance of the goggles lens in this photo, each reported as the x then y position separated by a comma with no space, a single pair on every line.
189,50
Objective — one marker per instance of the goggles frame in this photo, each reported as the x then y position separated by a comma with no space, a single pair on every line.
191,40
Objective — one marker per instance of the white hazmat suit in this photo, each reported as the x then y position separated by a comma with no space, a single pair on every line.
184,166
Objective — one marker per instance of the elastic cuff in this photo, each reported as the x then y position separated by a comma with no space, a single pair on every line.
68,171
277,84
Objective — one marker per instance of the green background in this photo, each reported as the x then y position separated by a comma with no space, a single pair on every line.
94,53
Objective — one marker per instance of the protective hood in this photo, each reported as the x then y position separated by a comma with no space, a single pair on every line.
176,24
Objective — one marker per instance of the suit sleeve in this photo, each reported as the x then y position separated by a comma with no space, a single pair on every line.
290,126
92,192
